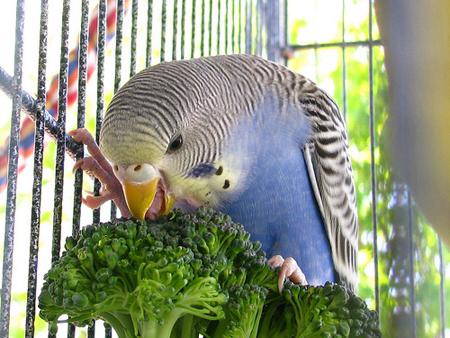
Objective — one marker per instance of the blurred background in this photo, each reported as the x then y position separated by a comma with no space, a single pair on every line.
402,262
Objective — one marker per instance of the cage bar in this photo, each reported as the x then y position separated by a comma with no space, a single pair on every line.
412,294
441,288
118,67
344,65
61,132
210,27
174,29
29,106
162,56
202,29
13,155
372,162
183,26
37,174
218,26
149,32
193,26
101,40
134,18
82,78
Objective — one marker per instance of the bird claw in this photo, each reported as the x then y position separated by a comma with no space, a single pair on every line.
82,135
95,202
288,269
98,166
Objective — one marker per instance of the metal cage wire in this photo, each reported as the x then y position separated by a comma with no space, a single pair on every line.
216,27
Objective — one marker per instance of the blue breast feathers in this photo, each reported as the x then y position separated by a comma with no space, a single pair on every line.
277,205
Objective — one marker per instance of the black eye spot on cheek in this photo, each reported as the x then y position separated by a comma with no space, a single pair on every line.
226,184
219,171
208,193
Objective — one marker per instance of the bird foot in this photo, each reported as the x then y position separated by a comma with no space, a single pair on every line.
288,269
98,166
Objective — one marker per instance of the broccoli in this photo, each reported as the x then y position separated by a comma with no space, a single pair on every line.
330,310
189,274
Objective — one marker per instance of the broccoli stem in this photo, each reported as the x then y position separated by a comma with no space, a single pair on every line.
185,328
123,329
151,328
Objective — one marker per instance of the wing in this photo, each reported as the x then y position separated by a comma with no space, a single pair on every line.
330,171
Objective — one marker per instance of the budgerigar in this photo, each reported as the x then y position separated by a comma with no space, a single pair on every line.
243,135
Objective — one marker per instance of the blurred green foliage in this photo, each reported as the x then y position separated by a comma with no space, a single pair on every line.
403,251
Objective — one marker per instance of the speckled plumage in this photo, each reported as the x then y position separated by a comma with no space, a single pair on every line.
249,127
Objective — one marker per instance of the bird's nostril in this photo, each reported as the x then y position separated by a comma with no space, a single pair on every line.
137,168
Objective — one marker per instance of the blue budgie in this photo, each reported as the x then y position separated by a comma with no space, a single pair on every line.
243,135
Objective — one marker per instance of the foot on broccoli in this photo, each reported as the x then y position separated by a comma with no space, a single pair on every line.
288,269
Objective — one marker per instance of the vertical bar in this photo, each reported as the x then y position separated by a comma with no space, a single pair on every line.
37,173
233,30
412,295
273,30
284,38
183,25
219,7
100,103
61,123
248,27
82,78
91,330
162,55
193,10
12,174
202,38
100,88
258,27
344,65
264,28
240,27
118,67
108,330
149,32
175,26
134,18
441,288
226,26
372,162
118,56
210,27
60,139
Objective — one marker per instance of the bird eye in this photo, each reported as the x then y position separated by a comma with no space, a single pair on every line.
176,144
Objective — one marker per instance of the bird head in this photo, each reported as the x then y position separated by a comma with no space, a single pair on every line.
164,133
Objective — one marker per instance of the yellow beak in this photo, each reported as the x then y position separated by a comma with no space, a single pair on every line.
140,196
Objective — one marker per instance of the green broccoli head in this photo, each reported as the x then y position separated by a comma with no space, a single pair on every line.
142,277
318,311
186,274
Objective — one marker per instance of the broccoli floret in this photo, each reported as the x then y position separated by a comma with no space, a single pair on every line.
189,274
137,277
242,313
317,311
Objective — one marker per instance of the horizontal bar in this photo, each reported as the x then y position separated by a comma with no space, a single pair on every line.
335,44
29,106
